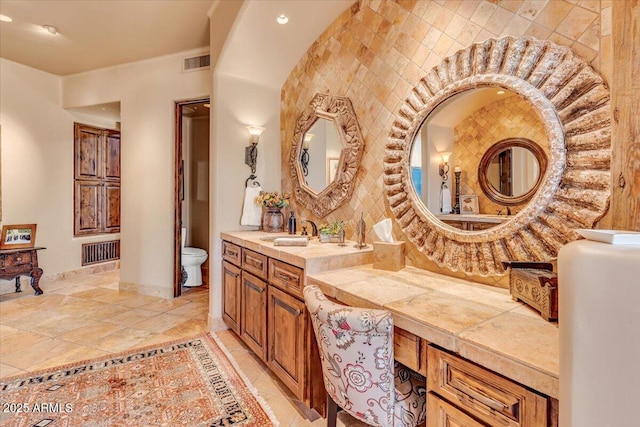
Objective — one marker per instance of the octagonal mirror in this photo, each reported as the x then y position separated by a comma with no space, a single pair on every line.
325,154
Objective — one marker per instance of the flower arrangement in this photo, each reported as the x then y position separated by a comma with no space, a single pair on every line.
273,199
332,229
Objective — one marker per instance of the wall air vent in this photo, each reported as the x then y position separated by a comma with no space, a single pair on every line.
196,63
93,253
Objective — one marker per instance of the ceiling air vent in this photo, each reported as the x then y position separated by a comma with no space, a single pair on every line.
196,63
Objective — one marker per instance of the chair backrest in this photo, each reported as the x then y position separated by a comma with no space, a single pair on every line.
356,351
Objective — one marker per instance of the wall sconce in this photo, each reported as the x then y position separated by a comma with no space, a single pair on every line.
305,153
251,151
444,166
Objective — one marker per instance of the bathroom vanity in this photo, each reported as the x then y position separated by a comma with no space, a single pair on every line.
488,360
263,303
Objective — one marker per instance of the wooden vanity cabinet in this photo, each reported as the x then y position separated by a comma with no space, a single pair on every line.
288,338
463,393
231,295
440,413
262,303
253,314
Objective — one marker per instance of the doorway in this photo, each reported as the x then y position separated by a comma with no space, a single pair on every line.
191,189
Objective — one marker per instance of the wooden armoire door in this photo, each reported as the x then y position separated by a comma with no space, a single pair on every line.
97,180
112,156
88,204
88,152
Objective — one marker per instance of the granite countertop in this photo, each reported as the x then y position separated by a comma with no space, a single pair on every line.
480,323
315,257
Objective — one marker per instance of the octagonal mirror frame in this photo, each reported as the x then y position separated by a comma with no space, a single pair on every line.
573,103
339,110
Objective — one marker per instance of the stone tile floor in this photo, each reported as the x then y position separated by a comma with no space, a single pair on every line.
87,316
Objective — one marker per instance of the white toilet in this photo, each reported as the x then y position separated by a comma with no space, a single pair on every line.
192,259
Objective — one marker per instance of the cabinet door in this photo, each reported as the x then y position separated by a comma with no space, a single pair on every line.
87,205
442,414
88,148
111,223
254,314
112,155
287,338
231,296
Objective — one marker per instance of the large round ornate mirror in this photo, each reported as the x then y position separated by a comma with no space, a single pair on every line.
325,154
466,127
511,171
572,103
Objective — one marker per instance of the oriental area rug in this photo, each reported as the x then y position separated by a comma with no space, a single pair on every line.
191,382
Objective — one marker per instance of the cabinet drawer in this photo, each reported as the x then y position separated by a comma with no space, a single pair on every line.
15,259
287,277
483,394
441,414
409,349
231,253
255,263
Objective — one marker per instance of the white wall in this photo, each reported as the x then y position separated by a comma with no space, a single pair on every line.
147,91
235,105
37,164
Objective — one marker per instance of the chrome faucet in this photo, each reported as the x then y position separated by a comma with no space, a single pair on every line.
314,228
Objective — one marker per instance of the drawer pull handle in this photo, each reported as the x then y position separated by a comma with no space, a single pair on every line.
232,273
18,258
287,277
254,262
486,400
294,311
232,253
254,287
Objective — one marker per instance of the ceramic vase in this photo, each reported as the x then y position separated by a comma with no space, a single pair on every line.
273,220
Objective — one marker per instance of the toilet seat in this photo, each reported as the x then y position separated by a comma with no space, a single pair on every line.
193,251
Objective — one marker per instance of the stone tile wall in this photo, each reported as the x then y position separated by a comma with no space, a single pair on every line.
378,50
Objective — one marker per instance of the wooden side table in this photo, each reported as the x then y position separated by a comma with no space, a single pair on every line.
21,262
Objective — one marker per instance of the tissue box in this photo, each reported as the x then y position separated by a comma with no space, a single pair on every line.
388,256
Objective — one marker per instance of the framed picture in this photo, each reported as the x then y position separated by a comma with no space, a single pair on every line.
18,236
332,167
469,204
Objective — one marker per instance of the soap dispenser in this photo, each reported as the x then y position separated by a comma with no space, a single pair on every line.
292,223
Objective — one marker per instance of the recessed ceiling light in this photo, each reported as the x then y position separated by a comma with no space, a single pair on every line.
51,29
500,92
207,105
282,19
5,18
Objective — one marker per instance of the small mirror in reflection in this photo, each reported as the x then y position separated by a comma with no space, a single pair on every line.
320,154
513,171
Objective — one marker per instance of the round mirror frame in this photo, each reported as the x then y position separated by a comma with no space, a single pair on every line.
573,103
339,110
490,191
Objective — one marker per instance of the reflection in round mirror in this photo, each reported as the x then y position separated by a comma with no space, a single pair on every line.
466,126
320,154
510,172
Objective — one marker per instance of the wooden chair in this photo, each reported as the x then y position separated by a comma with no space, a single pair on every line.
359,372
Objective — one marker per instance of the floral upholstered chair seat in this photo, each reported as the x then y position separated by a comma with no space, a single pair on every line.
360,374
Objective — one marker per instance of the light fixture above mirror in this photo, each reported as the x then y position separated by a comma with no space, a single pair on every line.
325,154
